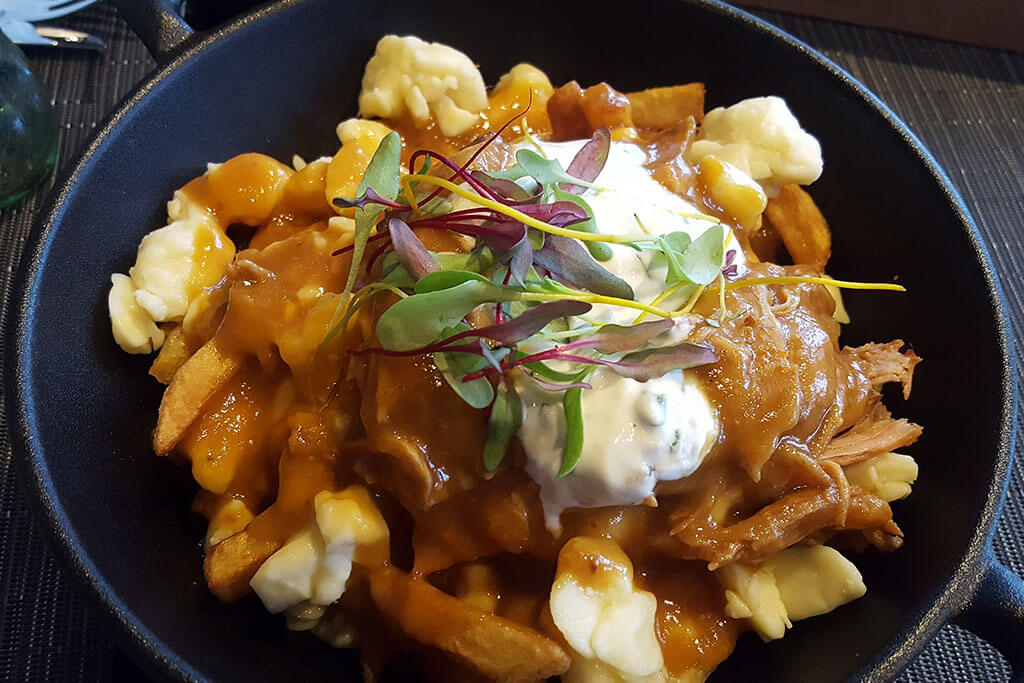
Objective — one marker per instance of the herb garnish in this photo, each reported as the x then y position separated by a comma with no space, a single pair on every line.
537,261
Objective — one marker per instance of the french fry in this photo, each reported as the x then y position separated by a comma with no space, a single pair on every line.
660,108
191,387
307,466
802,227
172,356
498,648
231,564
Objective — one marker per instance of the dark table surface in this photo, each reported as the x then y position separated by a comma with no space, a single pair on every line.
966,104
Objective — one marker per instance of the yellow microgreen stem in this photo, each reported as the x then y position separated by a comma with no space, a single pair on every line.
410,196
596,299
526,133
374,287
690,303
799,279
661,297
529,220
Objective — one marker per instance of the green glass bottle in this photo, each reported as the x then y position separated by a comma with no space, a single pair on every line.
28,127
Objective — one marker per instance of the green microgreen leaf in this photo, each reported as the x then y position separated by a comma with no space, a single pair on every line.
572,406
536,238
673,246
546,371
546,171
438,206
702,260
421,319
506,418
480,260
445,279
494,356
383,175
454,366
514,172
599,250
556,287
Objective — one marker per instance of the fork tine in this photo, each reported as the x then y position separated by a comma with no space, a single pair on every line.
59,8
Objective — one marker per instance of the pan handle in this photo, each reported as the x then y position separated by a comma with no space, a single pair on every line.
996,612
158,24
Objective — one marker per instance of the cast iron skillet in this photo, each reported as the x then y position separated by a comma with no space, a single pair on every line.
277,81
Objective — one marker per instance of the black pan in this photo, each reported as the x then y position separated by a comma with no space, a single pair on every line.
277,81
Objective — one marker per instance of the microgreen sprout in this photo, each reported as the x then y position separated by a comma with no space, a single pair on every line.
537,266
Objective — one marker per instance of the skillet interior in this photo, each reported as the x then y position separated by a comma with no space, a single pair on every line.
279,86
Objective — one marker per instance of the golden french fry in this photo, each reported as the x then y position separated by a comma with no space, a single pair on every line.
231,564
498,648
802,227
191,387
660,108
172,356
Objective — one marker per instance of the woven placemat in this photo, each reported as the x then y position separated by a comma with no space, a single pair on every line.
966,104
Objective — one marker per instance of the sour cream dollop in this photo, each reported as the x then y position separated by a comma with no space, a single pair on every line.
635,433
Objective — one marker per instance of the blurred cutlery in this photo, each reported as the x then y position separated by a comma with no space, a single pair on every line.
40,10
24,33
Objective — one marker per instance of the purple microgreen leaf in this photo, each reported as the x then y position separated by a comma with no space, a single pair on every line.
590,160
520,258
369,196
506,418
526,324
410,250
645,365
572,406
568,261
554,386
506,188
620,338
453,367
557,213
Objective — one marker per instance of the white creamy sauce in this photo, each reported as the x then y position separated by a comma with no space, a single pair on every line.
635,434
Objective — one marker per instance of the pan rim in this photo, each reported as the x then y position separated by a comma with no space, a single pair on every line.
160,659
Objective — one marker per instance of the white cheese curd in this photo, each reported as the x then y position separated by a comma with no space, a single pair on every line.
426,80
794,584
173,265
761,137
604,617
635,434
315,564
889,476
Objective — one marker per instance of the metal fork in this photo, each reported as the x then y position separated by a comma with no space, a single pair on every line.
40,10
